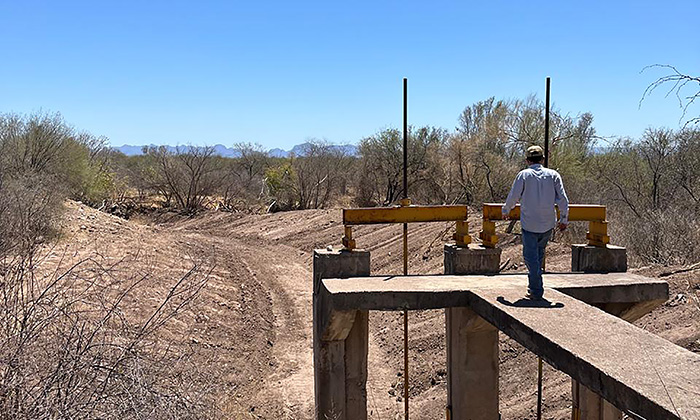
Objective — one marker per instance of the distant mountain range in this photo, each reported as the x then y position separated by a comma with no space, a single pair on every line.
221,150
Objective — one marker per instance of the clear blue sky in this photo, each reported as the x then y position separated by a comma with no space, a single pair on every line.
278,73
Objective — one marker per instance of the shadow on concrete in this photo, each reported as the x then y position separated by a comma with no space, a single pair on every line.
530,303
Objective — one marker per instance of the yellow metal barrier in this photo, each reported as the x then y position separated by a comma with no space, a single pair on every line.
403,214
594,214
407,213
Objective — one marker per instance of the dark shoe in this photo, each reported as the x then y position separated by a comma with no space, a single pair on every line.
533,297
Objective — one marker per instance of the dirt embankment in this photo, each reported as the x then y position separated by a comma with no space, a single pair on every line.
249,332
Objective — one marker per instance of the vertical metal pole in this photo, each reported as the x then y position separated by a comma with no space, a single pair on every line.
405,137
546,143
546,165
539,388
546,127
405,244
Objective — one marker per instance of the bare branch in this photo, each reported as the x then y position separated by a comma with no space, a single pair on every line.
678,82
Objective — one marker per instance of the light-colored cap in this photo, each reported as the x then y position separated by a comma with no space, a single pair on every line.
534,151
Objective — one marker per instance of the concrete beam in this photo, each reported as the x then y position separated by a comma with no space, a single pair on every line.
394,293
633,369
591,406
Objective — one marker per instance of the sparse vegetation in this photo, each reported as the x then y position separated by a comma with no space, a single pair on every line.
651,188
649,184
71,346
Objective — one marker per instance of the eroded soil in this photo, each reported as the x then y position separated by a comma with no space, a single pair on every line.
249,331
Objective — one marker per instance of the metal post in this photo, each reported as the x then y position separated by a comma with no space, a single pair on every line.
539,388
546,127
405,137
546,165
405,244
546,142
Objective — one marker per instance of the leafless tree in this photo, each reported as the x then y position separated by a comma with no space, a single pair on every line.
687,167
650,188
243,185
189,176
684,87
310,180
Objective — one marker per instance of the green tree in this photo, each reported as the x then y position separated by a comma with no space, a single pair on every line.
381,157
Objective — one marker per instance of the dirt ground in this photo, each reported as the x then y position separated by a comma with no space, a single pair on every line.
249,331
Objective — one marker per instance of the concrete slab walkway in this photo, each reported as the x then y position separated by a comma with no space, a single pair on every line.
635,370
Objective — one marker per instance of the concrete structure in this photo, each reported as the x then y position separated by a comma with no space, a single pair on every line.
633,369
471,342
472,259
598,259
586,404
340,341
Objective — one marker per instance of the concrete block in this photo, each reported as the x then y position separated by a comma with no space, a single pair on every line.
340,365
339,263
472,259
593,259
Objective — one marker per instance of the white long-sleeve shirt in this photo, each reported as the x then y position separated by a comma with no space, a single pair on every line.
538,189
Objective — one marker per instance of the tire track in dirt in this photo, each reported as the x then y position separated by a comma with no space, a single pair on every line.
289,282
274,330
280,276
240,327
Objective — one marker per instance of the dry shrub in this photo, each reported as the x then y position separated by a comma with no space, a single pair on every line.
666,236
29,206
71,346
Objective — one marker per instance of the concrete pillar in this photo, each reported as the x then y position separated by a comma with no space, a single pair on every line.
340,365
472,366
356,348
595,259
472,343
591,406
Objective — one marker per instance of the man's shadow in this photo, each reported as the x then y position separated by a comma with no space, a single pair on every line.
530,303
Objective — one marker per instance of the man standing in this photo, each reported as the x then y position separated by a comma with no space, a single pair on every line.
538,189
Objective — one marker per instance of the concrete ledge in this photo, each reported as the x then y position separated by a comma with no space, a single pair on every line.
633,369
392,293
339,263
